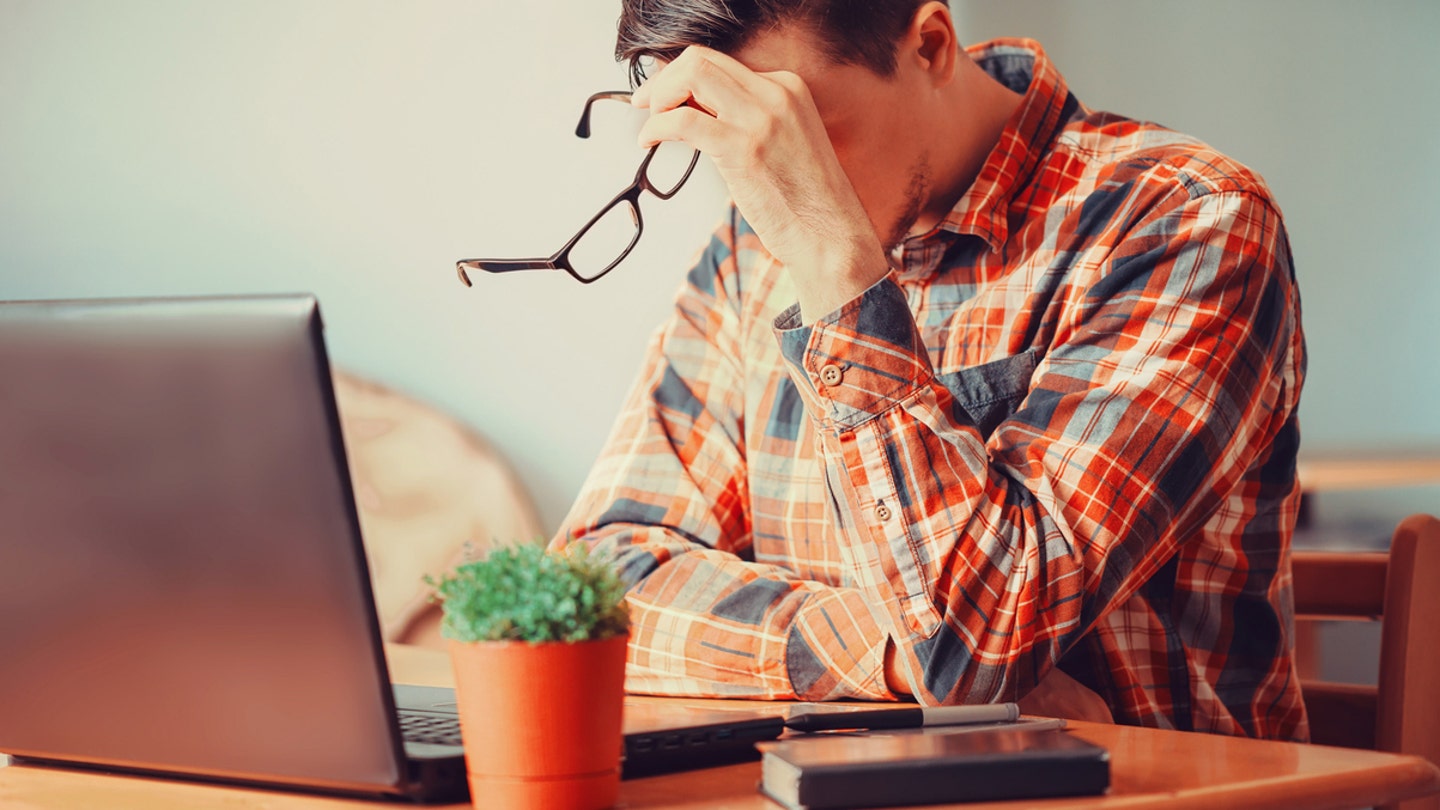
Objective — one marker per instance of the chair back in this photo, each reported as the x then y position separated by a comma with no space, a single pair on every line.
1400,588
430,490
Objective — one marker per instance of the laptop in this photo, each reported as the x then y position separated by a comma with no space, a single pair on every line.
183,587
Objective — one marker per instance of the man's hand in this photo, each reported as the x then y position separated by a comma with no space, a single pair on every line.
764,134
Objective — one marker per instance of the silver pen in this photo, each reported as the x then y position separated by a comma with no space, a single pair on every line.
806,719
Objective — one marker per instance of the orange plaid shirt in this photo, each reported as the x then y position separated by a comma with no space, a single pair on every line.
1060,433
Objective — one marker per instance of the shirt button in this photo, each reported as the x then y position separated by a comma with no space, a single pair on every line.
831,375
882,512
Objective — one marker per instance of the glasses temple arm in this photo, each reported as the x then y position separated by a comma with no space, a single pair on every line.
501,266
506,265
582,129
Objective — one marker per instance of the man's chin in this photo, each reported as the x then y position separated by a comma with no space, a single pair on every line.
917,193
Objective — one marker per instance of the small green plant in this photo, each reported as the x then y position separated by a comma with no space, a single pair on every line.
526,593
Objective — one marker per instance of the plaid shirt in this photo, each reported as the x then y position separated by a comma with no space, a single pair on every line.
1061,432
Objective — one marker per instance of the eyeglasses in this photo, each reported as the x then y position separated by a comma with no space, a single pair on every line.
610,235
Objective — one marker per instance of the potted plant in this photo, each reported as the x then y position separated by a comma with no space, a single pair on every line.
537,642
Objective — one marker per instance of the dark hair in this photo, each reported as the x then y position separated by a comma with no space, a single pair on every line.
854,32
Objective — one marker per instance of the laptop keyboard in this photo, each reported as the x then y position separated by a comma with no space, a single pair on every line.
424,727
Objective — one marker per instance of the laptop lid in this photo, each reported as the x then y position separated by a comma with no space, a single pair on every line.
182,582
183,587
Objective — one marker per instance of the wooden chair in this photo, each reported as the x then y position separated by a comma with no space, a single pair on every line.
429,490
1402,590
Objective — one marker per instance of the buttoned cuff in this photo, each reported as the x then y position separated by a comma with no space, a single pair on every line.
858,361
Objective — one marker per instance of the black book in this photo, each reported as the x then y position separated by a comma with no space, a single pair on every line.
925,767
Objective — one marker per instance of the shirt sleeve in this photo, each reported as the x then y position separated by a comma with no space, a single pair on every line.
1172,367
667,500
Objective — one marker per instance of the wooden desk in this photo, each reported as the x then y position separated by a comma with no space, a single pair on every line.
1336,469
1149,768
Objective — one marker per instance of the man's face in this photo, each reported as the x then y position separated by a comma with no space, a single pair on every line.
872,123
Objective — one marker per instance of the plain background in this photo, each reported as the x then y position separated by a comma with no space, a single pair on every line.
357,148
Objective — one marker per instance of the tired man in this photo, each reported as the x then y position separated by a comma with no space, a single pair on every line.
974,390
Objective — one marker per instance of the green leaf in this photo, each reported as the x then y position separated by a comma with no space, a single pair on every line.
526,593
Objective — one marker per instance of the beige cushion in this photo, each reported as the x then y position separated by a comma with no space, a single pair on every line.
426,486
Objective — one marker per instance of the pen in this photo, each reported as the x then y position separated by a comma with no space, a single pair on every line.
908,717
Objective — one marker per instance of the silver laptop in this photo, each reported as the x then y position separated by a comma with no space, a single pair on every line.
183,587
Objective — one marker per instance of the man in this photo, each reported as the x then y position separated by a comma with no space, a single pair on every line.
974,390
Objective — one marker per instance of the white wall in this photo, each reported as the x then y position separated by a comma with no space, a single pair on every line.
356,148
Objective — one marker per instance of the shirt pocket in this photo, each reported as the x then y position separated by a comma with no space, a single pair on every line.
990,393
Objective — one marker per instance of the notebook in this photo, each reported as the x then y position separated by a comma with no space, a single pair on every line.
183,587
929,766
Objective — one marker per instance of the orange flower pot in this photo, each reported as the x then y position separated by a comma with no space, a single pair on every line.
541,722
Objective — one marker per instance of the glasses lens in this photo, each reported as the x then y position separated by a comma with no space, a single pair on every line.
669,167
605,242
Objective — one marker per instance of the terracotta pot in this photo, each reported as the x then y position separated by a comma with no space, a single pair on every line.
541,722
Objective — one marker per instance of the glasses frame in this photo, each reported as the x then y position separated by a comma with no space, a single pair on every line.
630,195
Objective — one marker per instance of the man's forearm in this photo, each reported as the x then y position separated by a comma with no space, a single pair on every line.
707,623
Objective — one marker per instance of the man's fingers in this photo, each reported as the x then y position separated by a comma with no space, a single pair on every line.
694,127
714,82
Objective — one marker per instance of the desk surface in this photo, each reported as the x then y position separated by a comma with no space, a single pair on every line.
1368,468
1149,768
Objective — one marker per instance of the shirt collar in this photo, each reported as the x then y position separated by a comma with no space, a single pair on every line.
1021,65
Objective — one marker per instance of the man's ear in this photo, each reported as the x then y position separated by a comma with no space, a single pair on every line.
930,42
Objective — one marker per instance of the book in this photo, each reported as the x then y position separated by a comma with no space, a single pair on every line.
834,771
